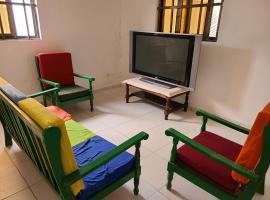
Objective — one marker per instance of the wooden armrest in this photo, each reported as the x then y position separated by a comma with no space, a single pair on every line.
84,77
222,121
54,84
43,92
77,175
215,156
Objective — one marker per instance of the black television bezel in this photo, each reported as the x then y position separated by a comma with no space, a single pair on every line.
191,39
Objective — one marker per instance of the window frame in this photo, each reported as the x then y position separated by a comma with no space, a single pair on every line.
207,25
11,20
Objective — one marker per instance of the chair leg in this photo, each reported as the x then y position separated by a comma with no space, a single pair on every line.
45,101
136,185
138,169
91,102
8,138
170,178
261,187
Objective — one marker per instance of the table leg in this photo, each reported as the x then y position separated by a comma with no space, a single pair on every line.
127,93
186,102
167,108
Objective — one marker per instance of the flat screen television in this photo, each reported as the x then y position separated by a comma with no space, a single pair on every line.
171,58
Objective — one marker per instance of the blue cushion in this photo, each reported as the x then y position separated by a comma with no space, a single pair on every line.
14,94
90,150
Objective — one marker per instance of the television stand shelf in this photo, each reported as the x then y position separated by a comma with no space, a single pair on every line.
158,95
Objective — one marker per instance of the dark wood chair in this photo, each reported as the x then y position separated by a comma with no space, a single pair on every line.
55,71
209,160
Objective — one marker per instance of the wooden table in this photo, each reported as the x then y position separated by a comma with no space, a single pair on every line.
158,95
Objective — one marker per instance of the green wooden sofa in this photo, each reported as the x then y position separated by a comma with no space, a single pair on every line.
55,70
46,143
208,160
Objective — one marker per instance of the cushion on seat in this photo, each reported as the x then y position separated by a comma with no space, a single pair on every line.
250,154
44,118
77,133
207,167
71,92
105,175
56,67
14,94
59,112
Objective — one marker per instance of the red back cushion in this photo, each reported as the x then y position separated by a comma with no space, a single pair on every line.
250,154
56,67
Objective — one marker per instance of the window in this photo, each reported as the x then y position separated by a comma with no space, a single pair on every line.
191,16
19,19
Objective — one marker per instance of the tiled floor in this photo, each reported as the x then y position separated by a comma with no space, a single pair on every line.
117,121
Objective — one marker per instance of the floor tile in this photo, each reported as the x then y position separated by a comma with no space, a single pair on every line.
113,119
22,195
123,193
165,151
133,127
30,172
5,160
146,190
157,138
184,190
43,191
158,196
144,151
16,154
154,170
93,124
11,182
112,135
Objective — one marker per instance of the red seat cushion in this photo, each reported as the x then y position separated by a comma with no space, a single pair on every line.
56,67
207,167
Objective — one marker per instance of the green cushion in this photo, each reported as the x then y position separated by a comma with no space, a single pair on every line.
72,92
77,133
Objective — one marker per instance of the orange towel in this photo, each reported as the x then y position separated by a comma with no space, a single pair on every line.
250,154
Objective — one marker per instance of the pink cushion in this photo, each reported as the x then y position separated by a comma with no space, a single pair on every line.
56,67
207,167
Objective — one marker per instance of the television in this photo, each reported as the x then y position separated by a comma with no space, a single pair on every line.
169,58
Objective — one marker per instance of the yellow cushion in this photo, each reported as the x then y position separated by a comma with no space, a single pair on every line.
44,118
2,81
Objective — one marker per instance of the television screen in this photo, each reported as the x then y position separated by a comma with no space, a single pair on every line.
162,56
168,57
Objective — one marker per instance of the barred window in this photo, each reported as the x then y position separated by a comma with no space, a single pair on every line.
191,16
19,19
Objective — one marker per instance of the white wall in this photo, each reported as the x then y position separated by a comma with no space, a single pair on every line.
233,78
88,29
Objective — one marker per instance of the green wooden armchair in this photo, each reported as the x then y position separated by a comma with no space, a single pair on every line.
55,71
208,160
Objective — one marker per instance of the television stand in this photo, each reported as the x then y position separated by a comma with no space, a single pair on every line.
157,83
158,95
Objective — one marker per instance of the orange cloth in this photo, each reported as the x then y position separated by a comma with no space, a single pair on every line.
250,154
59,112
2,81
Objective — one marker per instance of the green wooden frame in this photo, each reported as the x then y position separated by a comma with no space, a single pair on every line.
43,148
54,99
257,177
